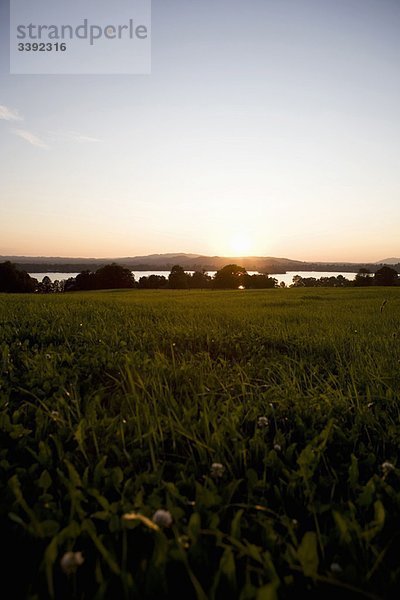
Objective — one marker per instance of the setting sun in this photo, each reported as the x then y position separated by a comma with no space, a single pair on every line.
240,244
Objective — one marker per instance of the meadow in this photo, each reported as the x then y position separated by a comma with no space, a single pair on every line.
265,423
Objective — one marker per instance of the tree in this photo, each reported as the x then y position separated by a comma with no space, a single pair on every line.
14,280
84,281
386,276
58,285
200,280
70,284
178,279
229,277
297,281
106,278
342,281
259,282
153,282
113,277
45,286
363,278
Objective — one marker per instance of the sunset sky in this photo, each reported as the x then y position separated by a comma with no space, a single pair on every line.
267,127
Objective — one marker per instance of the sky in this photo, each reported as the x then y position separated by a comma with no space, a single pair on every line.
266,127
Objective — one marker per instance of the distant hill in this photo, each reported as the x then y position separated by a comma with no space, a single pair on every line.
389,261
191,262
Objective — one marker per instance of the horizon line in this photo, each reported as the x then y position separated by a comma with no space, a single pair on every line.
191,255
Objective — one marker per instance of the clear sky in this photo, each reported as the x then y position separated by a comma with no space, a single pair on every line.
267,127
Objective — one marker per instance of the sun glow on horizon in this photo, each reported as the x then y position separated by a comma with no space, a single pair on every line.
240,244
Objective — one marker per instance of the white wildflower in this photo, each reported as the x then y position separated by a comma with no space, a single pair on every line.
277,448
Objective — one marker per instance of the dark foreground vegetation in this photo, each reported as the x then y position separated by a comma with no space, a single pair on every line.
184,444
229,277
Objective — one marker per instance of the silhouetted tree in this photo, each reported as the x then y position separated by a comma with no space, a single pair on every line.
84,281
14,280
113,277
58,285
339,281
106,278
386,276
45,286
297,281
200,280
70,284
342,281
178,279
363,278
229,277
259,282
153,282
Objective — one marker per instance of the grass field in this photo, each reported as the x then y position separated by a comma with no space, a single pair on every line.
114,405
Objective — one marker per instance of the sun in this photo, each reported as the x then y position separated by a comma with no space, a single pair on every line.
241,244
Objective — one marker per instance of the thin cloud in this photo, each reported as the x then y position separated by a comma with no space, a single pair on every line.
30,137
9,114
73,136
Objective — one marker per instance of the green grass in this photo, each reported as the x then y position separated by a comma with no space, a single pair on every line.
117,402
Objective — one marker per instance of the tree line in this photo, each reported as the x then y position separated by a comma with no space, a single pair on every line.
384,276
113,276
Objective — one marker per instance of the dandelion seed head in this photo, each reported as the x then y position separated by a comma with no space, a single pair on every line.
336,568
162,518
263,422
217,470
70,561
387,467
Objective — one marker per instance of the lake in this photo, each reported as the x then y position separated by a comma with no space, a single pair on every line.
286,277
